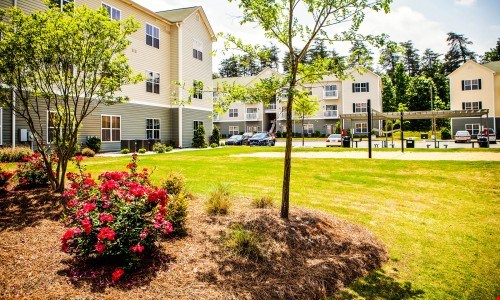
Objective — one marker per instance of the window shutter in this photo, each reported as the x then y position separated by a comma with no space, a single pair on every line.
463,85
480,102
353,90
354,107
463,104
367,86
479,81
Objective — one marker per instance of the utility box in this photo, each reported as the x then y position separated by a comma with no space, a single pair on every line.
410,143
24,135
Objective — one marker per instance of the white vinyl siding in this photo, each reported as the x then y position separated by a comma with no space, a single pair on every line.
153,128
110,128
114,13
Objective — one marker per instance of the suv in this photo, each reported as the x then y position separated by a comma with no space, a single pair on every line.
490,133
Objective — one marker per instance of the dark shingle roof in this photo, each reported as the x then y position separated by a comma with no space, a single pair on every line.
177,15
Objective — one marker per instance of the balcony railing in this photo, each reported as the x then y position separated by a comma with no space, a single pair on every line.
331,113
252,116
330,95
271,106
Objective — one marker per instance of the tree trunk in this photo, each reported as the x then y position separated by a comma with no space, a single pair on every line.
285,192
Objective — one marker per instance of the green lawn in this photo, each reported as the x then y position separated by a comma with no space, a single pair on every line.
439,219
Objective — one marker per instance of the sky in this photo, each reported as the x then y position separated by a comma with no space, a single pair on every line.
425,22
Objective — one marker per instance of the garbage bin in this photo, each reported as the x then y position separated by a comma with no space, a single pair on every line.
483,142
424,136
410,143
384,144
346,141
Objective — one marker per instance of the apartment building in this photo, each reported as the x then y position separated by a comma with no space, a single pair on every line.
172,45
475,86
335,97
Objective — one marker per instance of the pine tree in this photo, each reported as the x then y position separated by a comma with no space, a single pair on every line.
388,94
493,54
215,137
458,53
199,137
360,55
389,57
411,58
229,67
429,61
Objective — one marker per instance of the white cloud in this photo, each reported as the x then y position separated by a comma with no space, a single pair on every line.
465,2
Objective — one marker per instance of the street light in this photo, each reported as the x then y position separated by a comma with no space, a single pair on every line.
432,111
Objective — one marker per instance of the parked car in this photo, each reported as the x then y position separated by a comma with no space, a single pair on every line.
262,139
235,140
490,133
334,140
462,136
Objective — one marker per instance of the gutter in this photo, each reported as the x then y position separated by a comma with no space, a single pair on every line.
181,94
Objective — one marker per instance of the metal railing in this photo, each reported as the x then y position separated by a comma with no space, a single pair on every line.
252,116
331,113
330,94
271,106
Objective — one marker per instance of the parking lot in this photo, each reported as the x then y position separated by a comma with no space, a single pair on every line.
397,144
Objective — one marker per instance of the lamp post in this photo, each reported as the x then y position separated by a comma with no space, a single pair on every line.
433,119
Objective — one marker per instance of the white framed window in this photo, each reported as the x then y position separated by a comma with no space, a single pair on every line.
359,107
114,13
153,128
152,82
473,129
360,87
308,128
1,125
361,127
152,36
198,89
197,49
110,128
472,84
233,112
472,105
253,128
330,91
234,130
197,124
252,113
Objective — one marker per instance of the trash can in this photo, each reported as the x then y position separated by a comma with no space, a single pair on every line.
483,142
384,144
410,143
346,141
424,136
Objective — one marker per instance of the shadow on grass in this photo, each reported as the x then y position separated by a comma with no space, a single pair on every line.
96,273
26,208
378,285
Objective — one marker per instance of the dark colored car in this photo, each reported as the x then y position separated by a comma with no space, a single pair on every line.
262,139
235,140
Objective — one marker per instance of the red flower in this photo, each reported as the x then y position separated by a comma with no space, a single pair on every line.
68,235
157,195
109,186
144,233
88,207
78,158
168,228
100,247
117,274
89,181
106,218
137,248
106,233
87,225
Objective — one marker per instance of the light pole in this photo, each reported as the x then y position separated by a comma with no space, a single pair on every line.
432,111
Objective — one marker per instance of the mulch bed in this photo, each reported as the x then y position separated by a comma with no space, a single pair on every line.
310,256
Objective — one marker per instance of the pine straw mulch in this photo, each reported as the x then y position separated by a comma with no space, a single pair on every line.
310,256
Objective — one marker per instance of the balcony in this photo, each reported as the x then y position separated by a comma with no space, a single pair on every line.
252,116
331,113
216,118
271,108
330,95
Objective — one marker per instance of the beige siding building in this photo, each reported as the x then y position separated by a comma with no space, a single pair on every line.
475,86
170,46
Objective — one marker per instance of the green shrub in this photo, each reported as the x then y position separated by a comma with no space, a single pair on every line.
125,151
317,133
174,183
222,143
215,137
4,176
32,171
176,214
445,134
265,201
243,242
88,152
142,150
219,200
214,145
159,148
94,143
169,148
199,138
17,154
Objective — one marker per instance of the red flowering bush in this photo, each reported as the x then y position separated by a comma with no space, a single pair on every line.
122,215
31,172
4,176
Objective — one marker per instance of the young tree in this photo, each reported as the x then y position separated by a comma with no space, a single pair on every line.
388,94
458,53
401,81
493,54
199,137
305,106
318,20
215,137
66,62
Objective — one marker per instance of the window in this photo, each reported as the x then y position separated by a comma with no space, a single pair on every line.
1,125
308,128
198,89
114,13
110,128
360,87
51,130
361,127
253,128
359,107
233,112
473,129
60,3
152,82
234,130
152,36
197,49
330,91
473,84
252,113
153,129
472,105
197,124
284,95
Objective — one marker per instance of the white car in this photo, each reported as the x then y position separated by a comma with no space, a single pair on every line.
334,140
462,136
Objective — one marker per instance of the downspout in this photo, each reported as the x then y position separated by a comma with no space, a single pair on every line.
14,105
181,94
